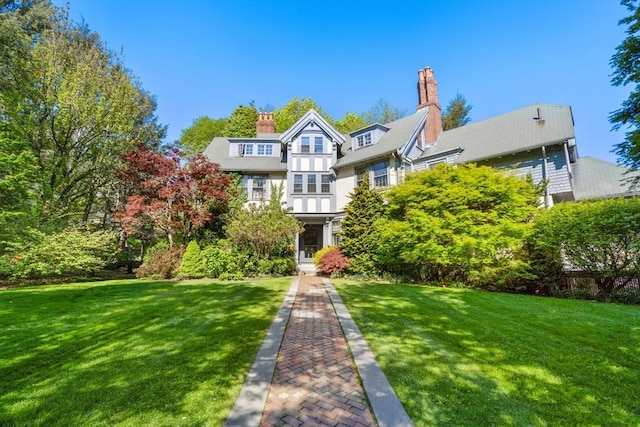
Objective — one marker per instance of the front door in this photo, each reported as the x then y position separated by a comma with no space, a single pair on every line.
310,242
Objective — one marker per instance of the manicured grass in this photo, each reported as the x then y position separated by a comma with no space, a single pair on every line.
463,357
130,352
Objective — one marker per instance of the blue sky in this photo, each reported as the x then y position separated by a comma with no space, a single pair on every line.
206,57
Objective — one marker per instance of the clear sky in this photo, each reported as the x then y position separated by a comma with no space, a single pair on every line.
203,57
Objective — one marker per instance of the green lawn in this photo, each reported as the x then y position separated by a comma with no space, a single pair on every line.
130,352
463,357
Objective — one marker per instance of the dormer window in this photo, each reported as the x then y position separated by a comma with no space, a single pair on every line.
305,144
364,139
265,150
248,150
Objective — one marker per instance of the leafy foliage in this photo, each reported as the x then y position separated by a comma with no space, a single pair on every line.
163,264
242,122
382,112
599,238
77,107
466,222
286,116
67,252
627,71
280,266
321,252
263,229
456,114
192,264
333,262
349,123
358,240
169,196
223,261
196,137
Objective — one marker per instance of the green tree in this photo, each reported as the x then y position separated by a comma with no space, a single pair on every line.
196,137
382,112
599,238
242,122
264,229
286,116
456,114
78,107
461,222
358,241
349,123
193,263
626,70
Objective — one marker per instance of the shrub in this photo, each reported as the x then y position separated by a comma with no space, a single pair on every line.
220,259
321,252
334,262
162,264
277,266
68,252
192,264
363,264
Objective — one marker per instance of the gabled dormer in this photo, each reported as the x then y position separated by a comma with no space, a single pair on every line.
312,134
253,147
367,136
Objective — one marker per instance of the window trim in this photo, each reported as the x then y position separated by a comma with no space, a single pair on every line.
311,183
318,142
298,186
325,183
305,144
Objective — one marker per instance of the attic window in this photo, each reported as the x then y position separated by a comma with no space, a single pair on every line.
364,139
248,149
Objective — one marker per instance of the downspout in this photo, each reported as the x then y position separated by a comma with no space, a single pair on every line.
548,202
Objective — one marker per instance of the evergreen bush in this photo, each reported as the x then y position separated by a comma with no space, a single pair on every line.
193,265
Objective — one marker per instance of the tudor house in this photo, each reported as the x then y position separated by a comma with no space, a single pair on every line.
319,167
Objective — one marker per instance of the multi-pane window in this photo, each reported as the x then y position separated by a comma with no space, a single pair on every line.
259,186
380,174
248,150
360,173
305,144
318,146
297,183
364,139
326,184
311,183
255,186
265,149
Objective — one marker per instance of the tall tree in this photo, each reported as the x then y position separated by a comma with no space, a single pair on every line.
456,114
196,137
358,241
78,107
349,123
626,70
242,122
382,112
287,115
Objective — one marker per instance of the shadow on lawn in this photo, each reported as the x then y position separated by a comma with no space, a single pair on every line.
458,357
142,353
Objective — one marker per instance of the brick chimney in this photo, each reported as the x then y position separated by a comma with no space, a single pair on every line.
265,123
428,97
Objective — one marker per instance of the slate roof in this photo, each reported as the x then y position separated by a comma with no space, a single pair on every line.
508,133
596,179
399,133
218,151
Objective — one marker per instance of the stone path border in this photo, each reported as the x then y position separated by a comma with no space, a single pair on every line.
384,402
247,411
248,408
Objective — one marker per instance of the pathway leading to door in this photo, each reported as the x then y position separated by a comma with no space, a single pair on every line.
315,382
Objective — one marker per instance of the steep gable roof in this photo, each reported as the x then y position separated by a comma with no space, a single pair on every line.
513,132
399,133
312,116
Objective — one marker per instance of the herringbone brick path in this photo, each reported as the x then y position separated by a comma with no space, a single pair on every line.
315,382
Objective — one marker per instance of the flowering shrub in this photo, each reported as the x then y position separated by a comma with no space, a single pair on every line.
334,262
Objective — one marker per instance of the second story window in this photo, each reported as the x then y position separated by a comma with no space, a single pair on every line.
311,183
305,144
297,183
326,184
318,145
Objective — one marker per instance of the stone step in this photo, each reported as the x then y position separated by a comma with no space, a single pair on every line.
307,269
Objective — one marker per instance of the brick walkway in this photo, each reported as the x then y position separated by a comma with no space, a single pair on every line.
315,382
